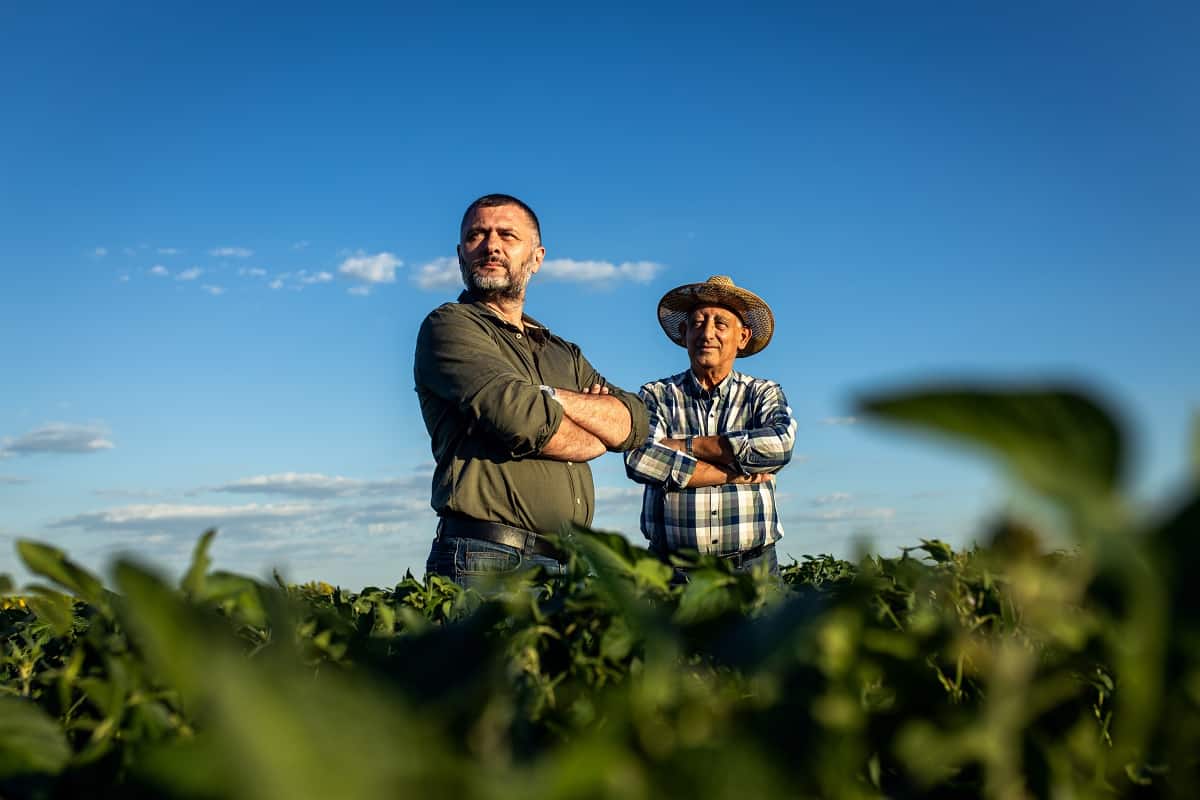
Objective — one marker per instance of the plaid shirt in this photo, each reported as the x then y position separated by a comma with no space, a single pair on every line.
753,415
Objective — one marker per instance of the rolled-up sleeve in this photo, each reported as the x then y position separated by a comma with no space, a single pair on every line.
458,361
638,418
768,446
653,463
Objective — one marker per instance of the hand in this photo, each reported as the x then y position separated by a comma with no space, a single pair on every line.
596,388
758,477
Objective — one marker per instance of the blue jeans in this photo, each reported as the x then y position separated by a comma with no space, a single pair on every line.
477,564
767,557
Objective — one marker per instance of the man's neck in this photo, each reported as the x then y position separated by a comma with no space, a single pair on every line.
510,309
710,378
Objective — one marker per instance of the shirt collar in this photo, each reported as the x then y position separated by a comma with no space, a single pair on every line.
721,390
534,327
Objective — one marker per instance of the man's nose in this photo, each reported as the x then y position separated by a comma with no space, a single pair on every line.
492,242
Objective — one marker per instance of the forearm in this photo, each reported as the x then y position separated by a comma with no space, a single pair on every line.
572,443
713,449
709,474
602,415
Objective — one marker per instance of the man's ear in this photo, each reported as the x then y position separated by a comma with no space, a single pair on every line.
539,253
745,338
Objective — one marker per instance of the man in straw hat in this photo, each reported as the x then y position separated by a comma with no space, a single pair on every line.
513,411
717,436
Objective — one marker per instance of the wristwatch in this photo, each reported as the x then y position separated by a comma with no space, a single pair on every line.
552,392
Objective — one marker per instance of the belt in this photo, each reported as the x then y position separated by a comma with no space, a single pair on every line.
736,559
742,556
497,533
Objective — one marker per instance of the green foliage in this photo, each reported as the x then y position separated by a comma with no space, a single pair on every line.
1004,671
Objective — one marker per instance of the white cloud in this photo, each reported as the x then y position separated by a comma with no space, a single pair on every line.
379,268
566,269
124,278
276,284
253,272
138,494
848,514
300,245
832,499
309,278
317,485
189,274
159,270
167,251
191,517
440,273
129,251
100,252
359,291
213,290
231,252
840,421
58,437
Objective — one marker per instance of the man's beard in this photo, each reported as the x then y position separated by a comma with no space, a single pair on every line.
508,286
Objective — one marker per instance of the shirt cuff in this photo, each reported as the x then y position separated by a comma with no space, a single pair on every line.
739,443
683,467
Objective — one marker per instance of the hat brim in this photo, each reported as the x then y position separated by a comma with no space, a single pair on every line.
677,304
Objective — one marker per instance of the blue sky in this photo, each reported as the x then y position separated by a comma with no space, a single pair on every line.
220,227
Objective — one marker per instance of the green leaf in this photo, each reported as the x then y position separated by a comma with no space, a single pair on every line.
54,608
193,581
52,563
1058,441
31,742
6,584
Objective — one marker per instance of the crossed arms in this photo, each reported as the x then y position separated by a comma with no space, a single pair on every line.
458,360
747,456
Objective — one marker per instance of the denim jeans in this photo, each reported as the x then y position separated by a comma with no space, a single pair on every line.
477,564
766,558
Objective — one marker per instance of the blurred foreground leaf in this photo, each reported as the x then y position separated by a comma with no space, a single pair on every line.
1057,441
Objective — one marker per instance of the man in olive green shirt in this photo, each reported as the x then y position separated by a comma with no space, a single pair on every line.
513,411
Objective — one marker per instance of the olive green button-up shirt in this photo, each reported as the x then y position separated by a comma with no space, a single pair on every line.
478,379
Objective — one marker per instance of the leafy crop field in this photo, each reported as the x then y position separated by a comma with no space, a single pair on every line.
1007,671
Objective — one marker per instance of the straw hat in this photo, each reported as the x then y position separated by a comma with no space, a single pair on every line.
718,290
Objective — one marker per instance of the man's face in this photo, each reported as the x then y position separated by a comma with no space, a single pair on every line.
713,335
499,251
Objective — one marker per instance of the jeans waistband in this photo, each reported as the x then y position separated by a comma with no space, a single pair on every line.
498,533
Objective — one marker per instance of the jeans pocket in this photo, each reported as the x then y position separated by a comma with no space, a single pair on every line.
475,557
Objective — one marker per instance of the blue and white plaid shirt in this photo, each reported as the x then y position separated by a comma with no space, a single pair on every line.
754,416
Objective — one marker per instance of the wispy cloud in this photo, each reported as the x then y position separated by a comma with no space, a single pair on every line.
231,252
599,272
318,485
378,268
832,499
189,274
12,480
847,514
308,278
441,273
213,290
159,270
253,272
840,421
58,437
276,284
359,291
100,252
171,515
168,251
129,494
300,245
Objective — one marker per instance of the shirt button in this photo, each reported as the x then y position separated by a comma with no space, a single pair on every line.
714,513
578,501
